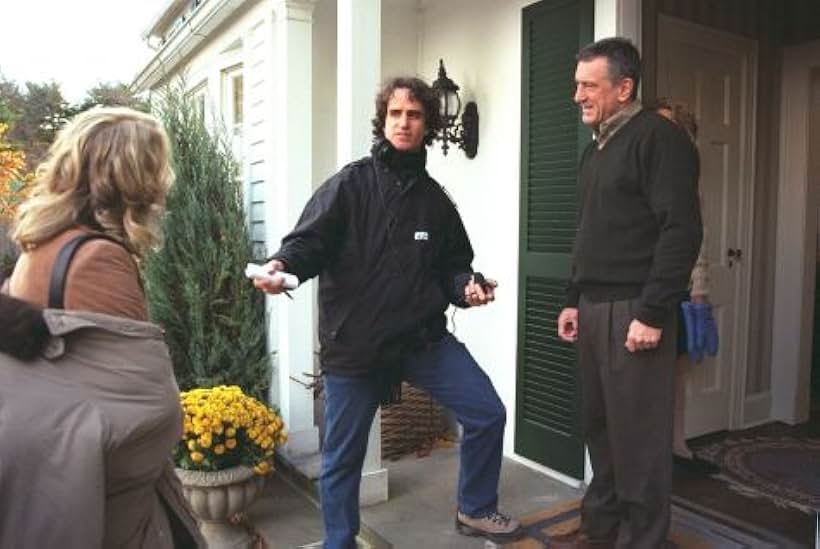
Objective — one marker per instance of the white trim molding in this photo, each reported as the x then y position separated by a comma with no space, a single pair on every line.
618,18
796,238
295,10
198,29
289,189
358,72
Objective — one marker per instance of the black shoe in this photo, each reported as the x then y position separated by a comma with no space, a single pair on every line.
695,465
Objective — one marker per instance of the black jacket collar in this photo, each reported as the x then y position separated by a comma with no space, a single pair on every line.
407,166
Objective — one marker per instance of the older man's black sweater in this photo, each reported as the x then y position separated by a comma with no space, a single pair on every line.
639,224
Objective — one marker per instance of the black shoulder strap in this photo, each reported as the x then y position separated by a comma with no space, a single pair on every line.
59,272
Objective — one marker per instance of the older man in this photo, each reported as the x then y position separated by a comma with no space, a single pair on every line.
392,254
638,235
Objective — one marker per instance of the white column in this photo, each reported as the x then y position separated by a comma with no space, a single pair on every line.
618,18
292,182
358,76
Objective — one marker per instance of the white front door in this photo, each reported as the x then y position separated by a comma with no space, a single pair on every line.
710,73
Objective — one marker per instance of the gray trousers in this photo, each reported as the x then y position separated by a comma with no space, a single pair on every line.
627,421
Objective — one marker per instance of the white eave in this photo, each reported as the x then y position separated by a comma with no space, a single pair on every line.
165,18
207,17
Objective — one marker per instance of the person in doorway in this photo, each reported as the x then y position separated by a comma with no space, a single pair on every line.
392,254
637,239
684,457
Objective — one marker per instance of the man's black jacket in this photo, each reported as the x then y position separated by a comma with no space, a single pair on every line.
391,253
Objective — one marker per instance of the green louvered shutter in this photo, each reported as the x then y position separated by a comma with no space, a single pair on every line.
548,405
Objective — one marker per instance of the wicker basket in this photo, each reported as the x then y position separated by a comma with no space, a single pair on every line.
411,426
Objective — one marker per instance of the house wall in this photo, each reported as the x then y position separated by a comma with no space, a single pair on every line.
480,42
400,40
242,39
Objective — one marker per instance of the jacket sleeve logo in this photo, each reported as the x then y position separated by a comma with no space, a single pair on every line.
422,235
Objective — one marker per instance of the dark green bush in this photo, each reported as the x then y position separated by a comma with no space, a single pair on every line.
214,319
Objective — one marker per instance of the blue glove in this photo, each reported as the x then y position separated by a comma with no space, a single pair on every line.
707,328
694,350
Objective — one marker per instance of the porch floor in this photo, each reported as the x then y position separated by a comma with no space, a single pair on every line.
420,510
422,504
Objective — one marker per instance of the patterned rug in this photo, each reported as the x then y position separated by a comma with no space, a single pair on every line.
785,470
690,530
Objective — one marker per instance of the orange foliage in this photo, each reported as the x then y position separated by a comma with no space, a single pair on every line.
14,183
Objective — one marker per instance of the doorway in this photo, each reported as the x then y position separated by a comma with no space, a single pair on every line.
712,73
797,225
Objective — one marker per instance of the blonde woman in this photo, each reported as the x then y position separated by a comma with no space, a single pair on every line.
100,406
107,173
698,293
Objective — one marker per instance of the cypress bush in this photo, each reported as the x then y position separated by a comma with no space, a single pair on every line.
213,317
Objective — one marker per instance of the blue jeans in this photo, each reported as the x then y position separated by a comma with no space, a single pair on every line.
445,370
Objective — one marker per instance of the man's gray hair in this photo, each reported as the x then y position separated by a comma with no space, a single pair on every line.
622,57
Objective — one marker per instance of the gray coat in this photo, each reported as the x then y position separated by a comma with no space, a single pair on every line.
87,429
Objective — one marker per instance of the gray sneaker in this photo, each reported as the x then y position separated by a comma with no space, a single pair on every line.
495,527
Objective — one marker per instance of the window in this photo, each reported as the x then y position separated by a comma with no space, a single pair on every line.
233,99
238,93
233,106
198,94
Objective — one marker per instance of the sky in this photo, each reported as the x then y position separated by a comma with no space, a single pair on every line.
75,43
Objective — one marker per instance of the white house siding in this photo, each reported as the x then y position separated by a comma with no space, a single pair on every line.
480,43
240,40
257,127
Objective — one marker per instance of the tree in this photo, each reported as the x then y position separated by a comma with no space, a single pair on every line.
112,94
36,113
34,116
11,101
14,185
214,319
13,181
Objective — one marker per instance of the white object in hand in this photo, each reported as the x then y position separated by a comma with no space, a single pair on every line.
252,270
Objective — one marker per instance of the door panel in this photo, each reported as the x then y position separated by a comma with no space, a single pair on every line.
708,72
547,428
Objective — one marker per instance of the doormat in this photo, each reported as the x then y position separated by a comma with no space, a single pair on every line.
689,530
786,470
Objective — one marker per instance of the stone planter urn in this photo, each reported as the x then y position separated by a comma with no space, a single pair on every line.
216,497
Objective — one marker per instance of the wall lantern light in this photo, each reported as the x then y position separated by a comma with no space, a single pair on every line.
463,133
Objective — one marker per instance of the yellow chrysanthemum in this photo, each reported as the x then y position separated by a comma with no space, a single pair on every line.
222,419
262,468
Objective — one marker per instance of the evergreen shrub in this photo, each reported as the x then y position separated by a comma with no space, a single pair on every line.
213,317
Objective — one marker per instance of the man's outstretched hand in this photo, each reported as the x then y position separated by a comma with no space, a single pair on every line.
272,287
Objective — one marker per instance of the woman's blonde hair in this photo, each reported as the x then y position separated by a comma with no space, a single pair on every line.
108,169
